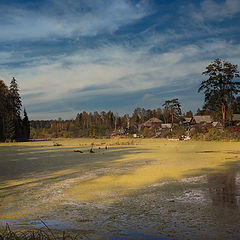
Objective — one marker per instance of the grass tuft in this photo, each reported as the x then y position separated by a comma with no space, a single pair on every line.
39,234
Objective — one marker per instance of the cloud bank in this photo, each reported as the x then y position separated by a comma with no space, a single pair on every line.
70,56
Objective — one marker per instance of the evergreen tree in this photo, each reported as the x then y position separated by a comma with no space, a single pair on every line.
25,127
15,99
134,120
9,130
3,109
173,107
14,108
220,89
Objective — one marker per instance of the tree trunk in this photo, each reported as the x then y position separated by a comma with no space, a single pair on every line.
223,114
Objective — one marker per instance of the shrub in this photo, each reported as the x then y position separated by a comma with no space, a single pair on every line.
148,132
178,132
213,134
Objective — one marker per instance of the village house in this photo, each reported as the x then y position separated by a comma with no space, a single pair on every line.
186,121
217,125
201,120
166,126
119,132
236,119
151,123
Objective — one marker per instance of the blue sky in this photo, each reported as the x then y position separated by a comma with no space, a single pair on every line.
100,55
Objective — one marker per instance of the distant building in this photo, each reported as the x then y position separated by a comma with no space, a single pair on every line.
119,132
186,121
217,125
236,117
166,126
153,122
205,119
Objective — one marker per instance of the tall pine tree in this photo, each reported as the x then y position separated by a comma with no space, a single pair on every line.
220,88
3,108
25,127
14,109
9,129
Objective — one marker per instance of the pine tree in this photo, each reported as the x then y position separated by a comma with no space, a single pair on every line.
25,127
14,108
15,99
220,90
174,107
10,133
3,108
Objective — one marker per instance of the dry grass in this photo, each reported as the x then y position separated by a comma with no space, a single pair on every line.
38,234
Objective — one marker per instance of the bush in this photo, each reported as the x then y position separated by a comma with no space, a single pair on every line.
213,134
148,132
178,132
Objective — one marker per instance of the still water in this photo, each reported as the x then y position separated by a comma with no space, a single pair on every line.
202,204
203,207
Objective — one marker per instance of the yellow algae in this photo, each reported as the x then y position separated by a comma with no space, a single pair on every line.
157,161
75,142
11,183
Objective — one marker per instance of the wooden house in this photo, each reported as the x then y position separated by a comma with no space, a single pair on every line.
153,122
217,125
186,121
201,120
236,119
166,126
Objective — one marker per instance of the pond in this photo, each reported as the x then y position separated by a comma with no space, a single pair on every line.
151,190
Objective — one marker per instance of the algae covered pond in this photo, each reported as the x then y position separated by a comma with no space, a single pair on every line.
134,189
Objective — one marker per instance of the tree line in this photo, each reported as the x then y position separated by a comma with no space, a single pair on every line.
13,127
222,99
102,124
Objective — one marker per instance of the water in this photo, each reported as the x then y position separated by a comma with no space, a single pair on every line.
205,204
205,207
52,224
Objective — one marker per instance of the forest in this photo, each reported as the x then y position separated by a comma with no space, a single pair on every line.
13,127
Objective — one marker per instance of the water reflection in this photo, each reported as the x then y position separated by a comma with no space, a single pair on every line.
224,190
52,224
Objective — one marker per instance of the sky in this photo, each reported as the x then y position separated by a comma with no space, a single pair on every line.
70,56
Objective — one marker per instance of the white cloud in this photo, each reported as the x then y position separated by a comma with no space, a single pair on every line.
118,70
106,17
213,10
147,96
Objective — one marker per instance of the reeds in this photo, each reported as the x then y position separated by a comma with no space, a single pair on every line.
38,234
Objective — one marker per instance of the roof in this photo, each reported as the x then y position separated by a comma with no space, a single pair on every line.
151,122
236,117
187,119
217,124
154,120
205,119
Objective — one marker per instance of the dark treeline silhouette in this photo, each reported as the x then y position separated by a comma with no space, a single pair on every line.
99,124
12,126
